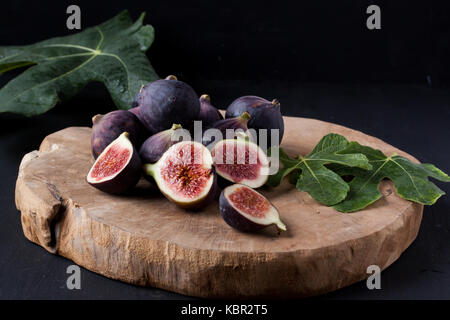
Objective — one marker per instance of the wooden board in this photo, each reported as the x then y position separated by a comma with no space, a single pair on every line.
146,240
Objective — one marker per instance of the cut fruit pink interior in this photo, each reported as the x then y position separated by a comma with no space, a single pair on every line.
236,162
112,160
240,161
186,170
110,163
252,205
250,202
182,172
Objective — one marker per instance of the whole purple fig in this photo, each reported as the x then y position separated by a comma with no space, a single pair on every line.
167,101
154,147
228,129
208,113
264,115
106,128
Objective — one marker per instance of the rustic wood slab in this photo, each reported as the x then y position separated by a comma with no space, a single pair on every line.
143,239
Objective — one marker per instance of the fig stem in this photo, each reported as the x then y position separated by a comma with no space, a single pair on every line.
243,136
276,102
171,77
96,118
205,97
176,126
149,169
245,116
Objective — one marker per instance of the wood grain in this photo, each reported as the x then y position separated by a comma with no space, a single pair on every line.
143,239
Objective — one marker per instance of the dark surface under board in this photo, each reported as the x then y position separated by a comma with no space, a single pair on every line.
411,117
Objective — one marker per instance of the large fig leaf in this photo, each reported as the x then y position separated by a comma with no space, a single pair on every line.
410,179
112,53
311,174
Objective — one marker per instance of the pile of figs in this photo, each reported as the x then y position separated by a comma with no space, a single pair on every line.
226,161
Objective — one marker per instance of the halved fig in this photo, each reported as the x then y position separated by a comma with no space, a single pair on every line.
118,168
185,175
247,210
241,161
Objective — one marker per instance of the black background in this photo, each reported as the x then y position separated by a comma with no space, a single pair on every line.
317,57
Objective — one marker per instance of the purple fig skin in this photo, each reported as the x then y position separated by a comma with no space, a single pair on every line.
154,147
106,128
208,113
234,219
239,122
168,101
137,112
264,114
125,180
135,102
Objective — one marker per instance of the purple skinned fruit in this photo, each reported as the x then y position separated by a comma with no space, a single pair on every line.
229,129
264,115
208,113
154,147
106,128
167,101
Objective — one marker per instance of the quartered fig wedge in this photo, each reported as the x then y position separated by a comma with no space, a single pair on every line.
241,161
118,168
185,175
247,210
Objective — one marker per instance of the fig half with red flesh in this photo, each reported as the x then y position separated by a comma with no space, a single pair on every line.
247,210
185,175
118,168
241,161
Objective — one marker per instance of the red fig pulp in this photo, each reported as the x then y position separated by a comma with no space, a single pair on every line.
118,168
185,174
247,210
241,161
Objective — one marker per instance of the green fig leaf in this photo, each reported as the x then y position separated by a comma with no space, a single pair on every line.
112,52
313,176
410,179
